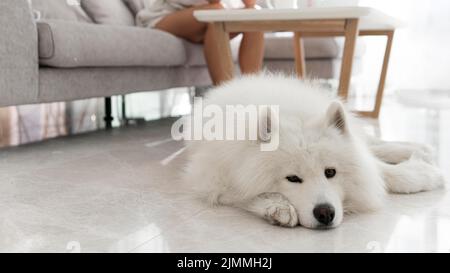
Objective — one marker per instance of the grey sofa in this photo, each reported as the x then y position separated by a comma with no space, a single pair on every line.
62,57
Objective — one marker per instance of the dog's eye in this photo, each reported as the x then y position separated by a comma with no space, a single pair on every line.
294,179
330,172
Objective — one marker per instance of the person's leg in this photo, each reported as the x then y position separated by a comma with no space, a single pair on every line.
213,57
183,24
251,52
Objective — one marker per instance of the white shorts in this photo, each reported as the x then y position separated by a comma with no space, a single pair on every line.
146,18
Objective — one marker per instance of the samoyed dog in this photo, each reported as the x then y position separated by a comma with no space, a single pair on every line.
324,165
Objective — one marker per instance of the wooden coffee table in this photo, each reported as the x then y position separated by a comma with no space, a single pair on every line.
349,22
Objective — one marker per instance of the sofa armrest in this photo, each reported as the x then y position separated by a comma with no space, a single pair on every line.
19,64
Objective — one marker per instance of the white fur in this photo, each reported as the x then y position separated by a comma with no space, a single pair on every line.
237,173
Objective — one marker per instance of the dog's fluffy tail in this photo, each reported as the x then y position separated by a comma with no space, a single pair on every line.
414,175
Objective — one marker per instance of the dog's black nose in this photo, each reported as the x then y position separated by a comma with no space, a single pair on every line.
324,213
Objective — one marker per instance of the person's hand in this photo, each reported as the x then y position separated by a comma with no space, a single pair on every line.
249,3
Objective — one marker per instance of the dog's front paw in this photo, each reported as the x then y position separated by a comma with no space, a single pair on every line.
284,215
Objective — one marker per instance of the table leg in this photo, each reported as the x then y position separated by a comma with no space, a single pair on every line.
351,34
299,51
381,84
223,45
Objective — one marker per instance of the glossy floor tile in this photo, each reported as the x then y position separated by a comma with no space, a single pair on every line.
119,191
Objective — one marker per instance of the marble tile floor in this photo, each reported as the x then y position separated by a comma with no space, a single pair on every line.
119,191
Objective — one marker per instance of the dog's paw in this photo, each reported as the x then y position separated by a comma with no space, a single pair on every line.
283,214
399,152
415,175
423,152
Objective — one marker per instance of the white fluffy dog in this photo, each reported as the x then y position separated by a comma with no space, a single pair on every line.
323,167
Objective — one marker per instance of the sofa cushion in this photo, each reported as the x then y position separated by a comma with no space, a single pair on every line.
109,12
134,5
282,47
276,48
73,44
60,9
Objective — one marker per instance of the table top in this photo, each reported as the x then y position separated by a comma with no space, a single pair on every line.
370,19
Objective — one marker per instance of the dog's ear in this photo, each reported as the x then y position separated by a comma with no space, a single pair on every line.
267,123
335,117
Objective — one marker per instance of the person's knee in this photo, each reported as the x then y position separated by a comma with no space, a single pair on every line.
200,37
214,6
197,39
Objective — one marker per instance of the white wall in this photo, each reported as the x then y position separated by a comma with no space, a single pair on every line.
421,55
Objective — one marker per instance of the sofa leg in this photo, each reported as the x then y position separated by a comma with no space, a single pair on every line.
108,115
124,111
